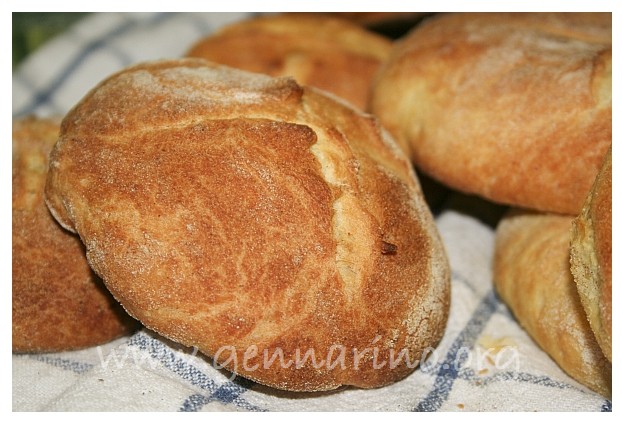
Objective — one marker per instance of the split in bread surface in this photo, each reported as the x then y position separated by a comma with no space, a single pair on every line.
58,302
513,107
590,256
326,52
532,276
249,216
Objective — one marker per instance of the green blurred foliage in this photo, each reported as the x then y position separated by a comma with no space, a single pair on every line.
31,30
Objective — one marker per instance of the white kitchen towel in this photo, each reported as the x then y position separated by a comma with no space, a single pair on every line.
485,361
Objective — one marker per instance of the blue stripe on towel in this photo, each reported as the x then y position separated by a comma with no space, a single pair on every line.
194,403
228,392
66,364
524,377
449,368
606,407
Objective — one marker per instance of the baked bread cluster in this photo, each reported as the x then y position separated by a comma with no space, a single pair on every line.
270,224
240,201
516,108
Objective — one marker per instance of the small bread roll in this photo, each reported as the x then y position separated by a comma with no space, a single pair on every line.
58,302
590,256
326,52
532,275
255,219
513,107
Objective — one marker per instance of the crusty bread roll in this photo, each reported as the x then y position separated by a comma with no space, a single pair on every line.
255,219
326,52
532,275
514,107
590,256
58,302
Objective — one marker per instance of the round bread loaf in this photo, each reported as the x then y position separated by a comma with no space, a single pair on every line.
532,275
514,107
58,302
590,256
326,52
279,231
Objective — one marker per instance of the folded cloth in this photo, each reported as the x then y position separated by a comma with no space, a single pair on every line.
485,361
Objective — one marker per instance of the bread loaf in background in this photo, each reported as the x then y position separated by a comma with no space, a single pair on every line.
333,54
590,256
58,302
513,107
532,276
250,217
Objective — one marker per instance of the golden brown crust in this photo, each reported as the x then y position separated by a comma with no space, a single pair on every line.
513,107
229,210
328,53
590,256
532,275
58,302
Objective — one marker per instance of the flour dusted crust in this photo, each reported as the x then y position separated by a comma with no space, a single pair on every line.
251,217
323,51
514,107
58,302
532,275
590,256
